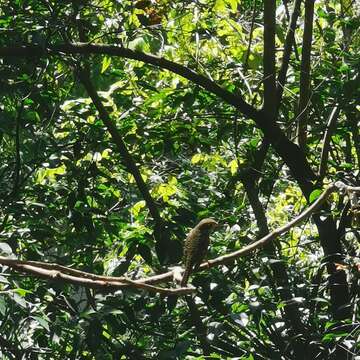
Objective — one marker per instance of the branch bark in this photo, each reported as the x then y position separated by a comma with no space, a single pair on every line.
326,141
269,58
289,41
304,100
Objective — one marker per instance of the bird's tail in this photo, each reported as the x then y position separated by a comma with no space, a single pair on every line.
185,277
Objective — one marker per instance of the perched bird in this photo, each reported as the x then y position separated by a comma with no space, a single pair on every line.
196,245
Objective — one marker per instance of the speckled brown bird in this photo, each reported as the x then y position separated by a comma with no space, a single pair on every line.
196,245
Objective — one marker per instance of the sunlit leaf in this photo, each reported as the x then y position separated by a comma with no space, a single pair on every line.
105,63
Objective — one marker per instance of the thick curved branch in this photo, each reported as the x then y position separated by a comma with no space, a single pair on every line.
87,49
288,151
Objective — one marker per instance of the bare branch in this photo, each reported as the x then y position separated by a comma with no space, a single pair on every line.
61,273
326,141
87,280
304,100
289,41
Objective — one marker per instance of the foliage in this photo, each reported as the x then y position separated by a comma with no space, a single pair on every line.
68,197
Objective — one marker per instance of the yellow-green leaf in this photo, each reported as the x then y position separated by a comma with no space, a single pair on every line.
49,174
105,63
135,210
233,4
220,6
197,158
233,165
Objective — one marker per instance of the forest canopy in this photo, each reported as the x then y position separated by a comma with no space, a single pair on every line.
124,124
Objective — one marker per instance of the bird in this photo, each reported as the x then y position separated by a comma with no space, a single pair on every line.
196,245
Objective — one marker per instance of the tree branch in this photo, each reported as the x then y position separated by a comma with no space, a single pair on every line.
128,161
251,33
269,58
304,100
326,141
57,272
200,328
87,280
289,41
288,151
17,168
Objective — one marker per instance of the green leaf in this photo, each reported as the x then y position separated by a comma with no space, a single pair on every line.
3,305
233,165
43,322
105,63
197,158
220,6
137,207
233,4
314,195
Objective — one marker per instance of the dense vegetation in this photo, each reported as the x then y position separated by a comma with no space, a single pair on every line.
123,123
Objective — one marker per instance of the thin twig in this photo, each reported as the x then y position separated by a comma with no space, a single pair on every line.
326,141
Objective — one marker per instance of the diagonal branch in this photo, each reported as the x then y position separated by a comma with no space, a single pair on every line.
126,156
108,283
331,125
128,160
